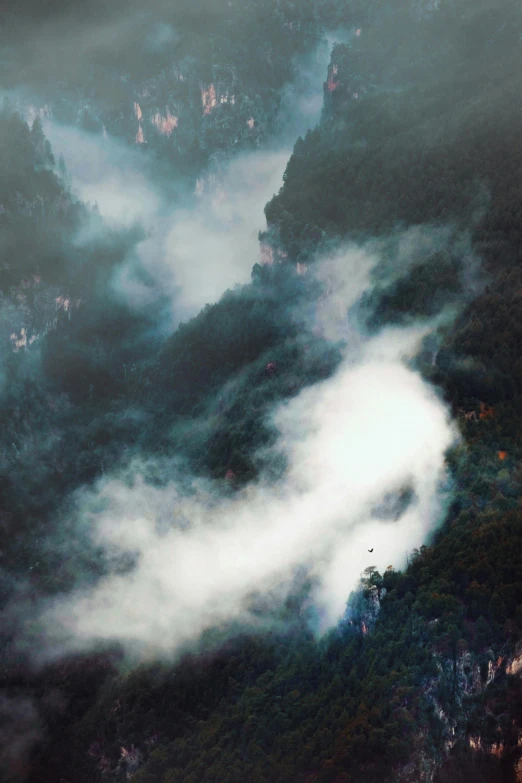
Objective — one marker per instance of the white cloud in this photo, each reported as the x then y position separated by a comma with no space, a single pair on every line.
375,427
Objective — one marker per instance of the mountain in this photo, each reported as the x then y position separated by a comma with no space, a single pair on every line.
416,160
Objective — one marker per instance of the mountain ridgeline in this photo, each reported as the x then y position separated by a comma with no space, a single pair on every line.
421,125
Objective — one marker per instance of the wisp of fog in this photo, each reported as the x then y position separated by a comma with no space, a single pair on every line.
205,241
193,251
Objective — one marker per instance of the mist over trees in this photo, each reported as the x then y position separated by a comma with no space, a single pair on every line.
420,127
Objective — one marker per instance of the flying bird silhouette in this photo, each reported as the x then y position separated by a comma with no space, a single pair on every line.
370,550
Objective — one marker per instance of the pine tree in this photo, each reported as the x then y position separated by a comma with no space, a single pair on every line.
43,155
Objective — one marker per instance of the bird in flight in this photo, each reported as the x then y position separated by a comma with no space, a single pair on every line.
370,550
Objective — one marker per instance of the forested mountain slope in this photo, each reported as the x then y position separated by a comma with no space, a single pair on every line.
421,679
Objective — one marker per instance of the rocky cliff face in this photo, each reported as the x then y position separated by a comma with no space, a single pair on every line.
476,731
188,93
364,604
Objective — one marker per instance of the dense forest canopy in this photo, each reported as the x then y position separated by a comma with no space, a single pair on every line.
280,540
